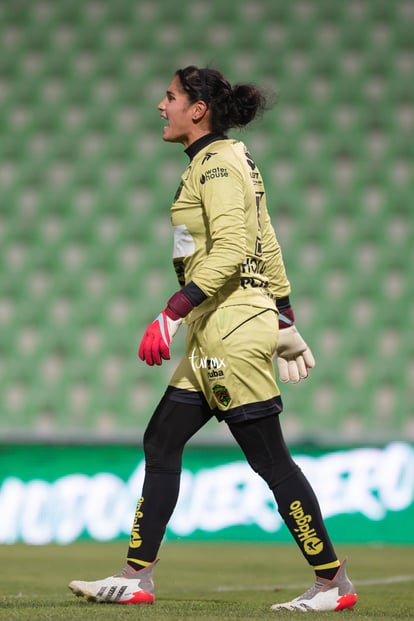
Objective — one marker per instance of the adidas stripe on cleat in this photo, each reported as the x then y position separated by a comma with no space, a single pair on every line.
325,595
127,587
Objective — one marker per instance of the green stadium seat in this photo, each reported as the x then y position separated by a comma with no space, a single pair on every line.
87,183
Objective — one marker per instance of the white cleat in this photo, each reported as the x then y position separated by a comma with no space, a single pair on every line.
325,595
127,587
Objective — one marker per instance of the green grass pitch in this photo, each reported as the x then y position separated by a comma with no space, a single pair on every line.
209,581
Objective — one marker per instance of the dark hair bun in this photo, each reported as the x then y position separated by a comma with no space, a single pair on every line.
248,103
229,106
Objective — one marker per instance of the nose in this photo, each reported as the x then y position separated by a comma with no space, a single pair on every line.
161,105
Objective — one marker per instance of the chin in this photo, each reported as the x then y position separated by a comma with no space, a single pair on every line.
166,136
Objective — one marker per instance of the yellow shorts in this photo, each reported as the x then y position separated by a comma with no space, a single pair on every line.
229,358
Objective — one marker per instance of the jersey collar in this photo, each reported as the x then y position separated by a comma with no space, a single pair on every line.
202,142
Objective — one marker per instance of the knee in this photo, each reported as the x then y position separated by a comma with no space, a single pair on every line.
275,472
161,455
153,445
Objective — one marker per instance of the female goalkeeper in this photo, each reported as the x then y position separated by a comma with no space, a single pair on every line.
234,299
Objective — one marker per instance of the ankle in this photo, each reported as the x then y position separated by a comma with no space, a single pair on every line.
137,565
327,571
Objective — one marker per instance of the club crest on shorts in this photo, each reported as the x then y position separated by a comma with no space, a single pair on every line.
221,395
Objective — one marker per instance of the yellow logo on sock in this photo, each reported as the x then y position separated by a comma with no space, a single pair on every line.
306,534
136,539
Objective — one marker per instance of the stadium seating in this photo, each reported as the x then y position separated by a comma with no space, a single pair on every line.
86,183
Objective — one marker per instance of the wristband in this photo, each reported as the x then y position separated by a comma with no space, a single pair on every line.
178,306
286,318
182,302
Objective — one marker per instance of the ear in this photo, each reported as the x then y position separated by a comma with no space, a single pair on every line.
200,109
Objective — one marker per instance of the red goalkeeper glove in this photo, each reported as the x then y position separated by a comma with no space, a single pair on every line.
155,344
293,356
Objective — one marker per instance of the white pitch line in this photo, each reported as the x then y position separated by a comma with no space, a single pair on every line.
301,585
389,580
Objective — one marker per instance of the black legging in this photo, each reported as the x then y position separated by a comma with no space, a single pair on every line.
262,442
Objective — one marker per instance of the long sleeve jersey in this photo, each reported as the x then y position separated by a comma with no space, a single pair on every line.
224,241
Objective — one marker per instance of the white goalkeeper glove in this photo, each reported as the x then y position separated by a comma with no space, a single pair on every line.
293,356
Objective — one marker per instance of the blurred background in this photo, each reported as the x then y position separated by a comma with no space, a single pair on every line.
86,185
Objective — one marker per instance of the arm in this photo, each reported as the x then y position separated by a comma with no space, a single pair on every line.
279,285
225,238
293,356
225,221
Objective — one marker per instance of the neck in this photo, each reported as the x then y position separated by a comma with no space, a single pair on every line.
202,142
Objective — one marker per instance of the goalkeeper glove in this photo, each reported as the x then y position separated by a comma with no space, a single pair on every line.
155,344
293,356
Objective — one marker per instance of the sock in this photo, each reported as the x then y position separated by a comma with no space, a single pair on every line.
137,564
299,507
328,571
154,509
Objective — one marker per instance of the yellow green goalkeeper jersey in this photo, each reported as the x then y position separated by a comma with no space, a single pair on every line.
224,241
